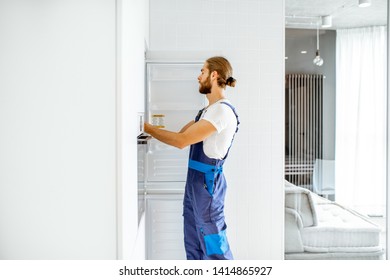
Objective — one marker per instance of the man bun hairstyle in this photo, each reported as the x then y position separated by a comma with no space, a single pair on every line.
225,72
231,82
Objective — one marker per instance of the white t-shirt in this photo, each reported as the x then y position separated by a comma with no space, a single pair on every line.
222,117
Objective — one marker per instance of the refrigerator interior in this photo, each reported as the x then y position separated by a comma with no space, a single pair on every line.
172,93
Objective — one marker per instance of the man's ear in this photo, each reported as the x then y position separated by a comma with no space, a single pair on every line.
214,74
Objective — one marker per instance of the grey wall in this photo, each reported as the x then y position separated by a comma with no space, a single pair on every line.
305,39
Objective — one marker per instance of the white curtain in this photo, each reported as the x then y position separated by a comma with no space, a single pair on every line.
360,157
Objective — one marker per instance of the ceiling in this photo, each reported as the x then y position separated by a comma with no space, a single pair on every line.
345,13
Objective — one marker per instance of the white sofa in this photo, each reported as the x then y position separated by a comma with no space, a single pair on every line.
317,228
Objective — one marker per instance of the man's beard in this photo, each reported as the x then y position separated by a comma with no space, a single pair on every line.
205,88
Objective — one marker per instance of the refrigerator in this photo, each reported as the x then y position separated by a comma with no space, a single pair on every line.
172,100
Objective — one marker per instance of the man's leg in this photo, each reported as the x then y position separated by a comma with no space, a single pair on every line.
191,239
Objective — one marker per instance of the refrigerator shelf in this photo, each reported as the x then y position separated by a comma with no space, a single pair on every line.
176,79
175,107
173,72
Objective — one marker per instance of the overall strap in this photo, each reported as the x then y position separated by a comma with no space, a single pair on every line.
238,122
199,114
209,170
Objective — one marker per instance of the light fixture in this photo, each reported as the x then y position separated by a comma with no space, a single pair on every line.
364,3
326,21
318,60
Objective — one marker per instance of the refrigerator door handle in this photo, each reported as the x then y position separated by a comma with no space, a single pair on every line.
143,139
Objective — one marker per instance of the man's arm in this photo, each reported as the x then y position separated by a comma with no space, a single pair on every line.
187,126
191,133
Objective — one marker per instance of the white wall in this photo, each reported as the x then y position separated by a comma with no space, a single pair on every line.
132,33
251,35
63,119
58,129
388,139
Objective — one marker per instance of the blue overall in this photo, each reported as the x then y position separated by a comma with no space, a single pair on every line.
203,211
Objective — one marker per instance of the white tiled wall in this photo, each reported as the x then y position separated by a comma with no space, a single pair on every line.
250,33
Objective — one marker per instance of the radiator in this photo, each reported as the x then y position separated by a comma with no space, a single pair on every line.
303,141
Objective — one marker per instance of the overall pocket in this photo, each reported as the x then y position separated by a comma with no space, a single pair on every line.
215,241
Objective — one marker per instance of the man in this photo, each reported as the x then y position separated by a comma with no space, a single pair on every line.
210,136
